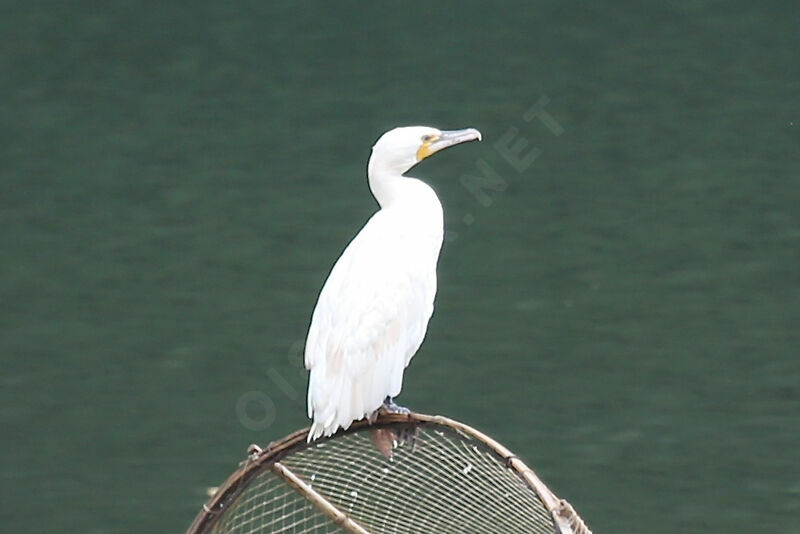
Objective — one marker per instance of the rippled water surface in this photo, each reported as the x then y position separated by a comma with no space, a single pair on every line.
619,305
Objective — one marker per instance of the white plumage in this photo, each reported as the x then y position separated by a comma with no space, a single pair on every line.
373,311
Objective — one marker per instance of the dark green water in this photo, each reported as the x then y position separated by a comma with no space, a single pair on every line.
175,183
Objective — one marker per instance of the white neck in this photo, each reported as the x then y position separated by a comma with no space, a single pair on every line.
385,182
393,190
411,204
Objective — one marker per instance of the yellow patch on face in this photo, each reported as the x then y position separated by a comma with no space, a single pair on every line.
425,150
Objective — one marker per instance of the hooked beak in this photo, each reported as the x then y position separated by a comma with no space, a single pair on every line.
447,139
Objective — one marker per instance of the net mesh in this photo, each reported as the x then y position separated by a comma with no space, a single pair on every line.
444,483
270,505
441,476
444,480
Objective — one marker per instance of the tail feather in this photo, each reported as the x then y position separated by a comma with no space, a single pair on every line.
314,432
336,402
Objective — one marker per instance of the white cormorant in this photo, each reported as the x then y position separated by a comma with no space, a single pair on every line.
373,311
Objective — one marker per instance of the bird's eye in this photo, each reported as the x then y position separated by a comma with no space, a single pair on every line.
427,138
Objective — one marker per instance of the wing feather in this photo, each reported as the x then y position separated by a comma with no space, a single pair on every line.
370,319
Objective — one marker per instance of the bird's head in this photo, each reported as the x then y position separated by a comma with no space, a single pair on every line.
400,149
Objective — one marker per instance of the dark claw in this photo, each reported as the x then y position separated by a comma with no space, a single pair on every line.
391,407
389,438
407,435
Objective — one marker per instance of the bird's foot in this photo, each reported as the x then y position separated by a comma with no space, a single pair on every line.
391,407
389,438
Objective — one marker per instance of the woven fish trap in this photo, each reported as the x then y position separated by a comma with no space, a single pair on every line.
404,473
